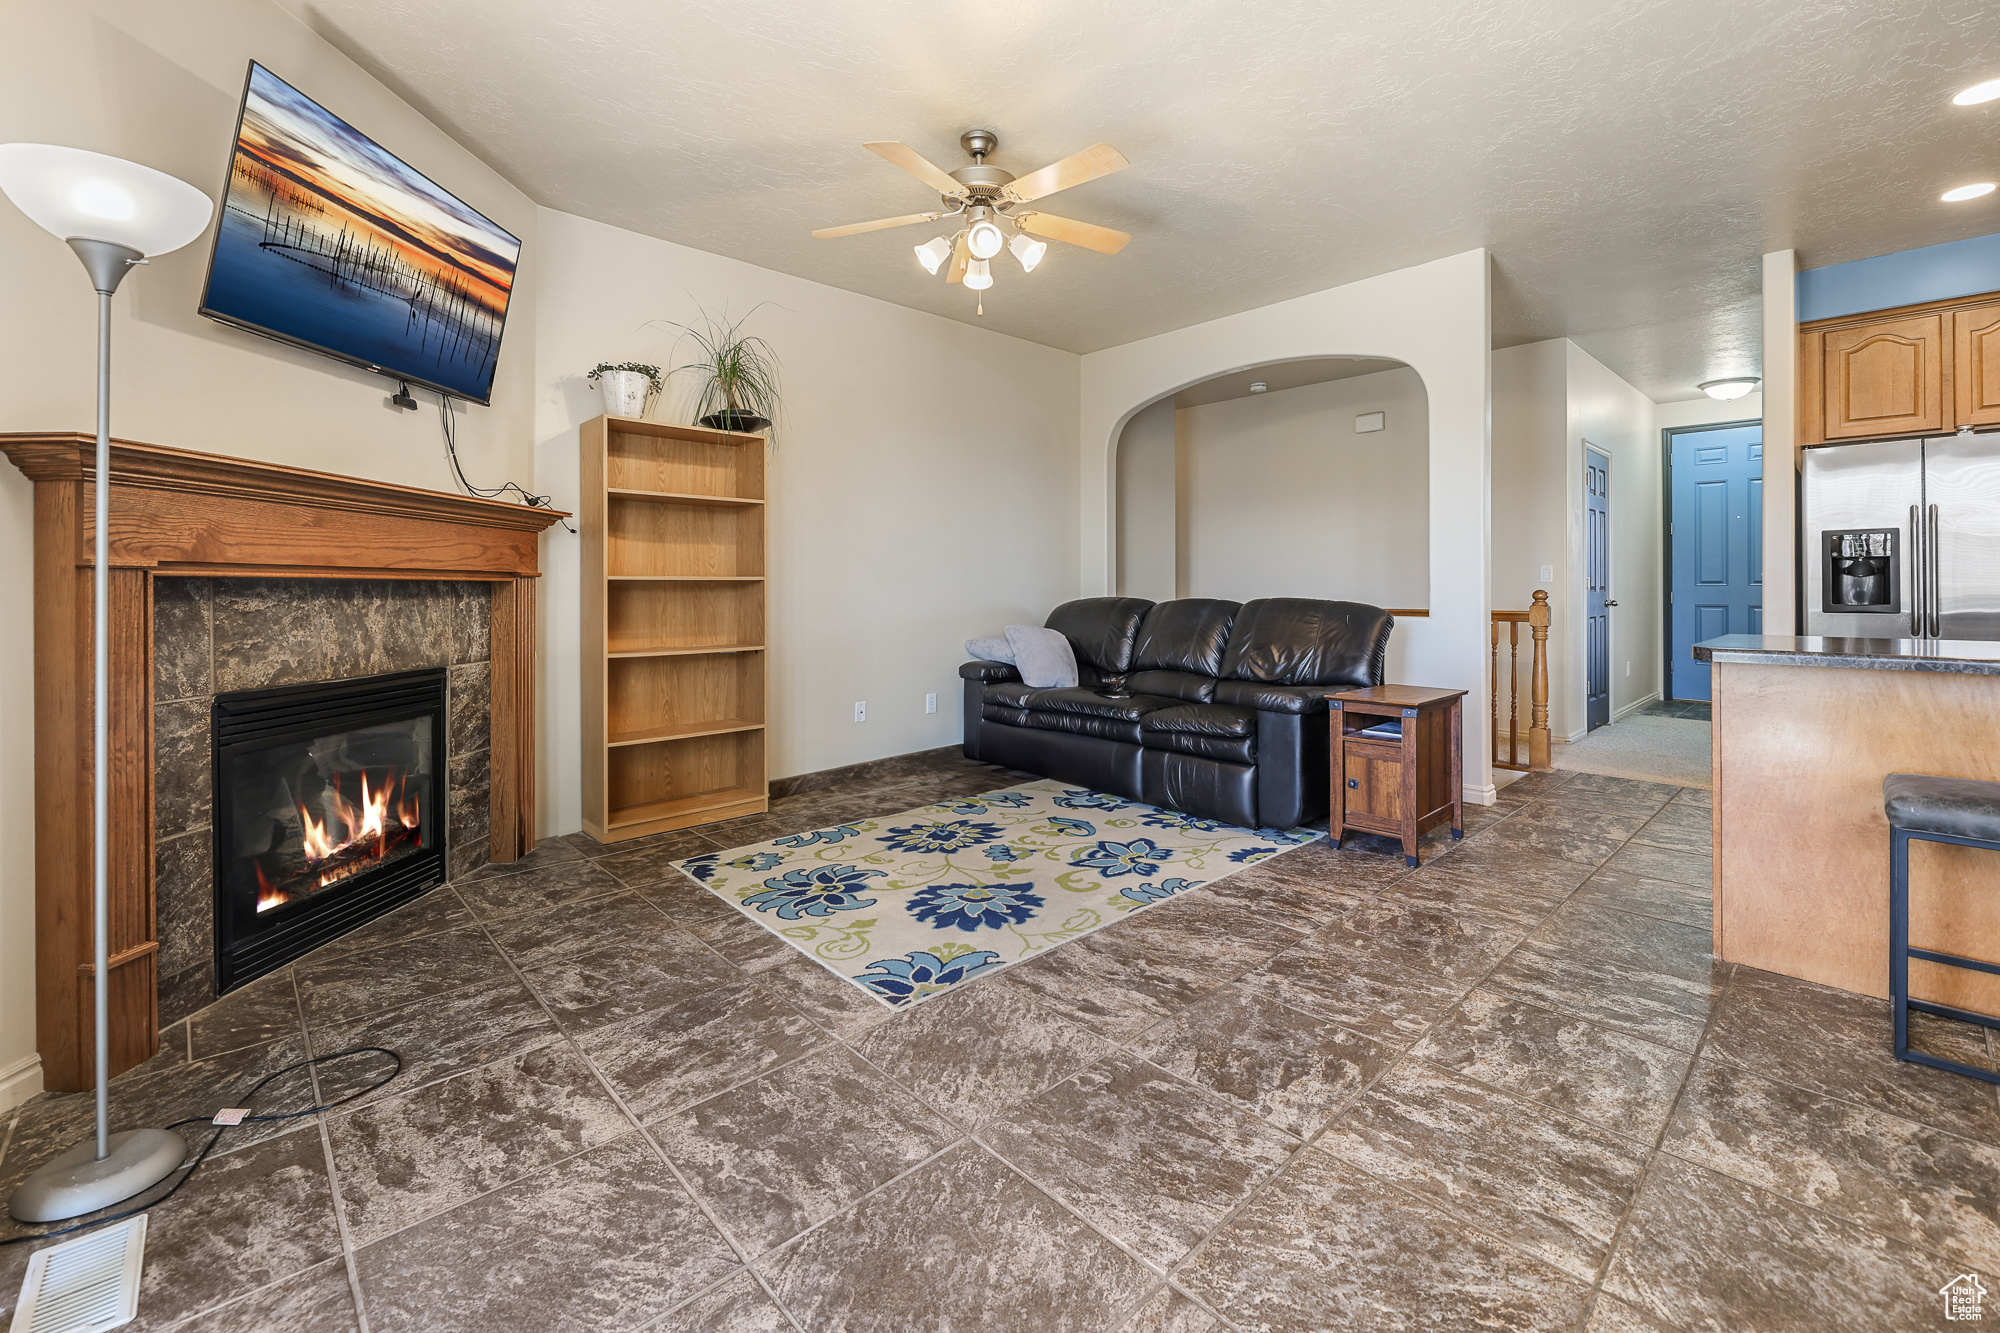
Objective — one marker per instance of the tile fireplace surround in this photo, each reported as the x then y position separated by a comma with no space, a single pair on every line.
215,636
229,574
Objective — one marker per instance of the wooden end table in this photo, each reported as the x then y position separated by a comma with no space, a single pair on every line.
1404,784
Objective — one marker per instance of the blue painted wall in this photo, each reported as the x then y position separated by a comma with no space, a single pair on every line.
1934,273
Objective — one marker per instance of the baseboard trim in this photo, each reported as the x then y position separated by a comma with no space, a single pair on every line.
867,771
20,1081
1630,709
1488,794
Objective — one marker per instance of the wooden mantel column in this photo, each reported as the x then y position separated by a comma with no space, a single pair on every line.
178,512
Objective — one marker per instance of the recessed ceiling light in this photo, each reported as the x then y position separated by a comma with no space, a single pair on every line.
1977,93
1730,388
1964,192
1258,386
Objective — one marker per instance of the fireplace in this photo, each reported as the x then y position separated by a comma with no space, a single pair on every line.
329,809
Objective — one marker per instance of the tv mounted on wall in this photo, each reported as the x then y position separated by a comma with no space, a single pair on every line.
328,241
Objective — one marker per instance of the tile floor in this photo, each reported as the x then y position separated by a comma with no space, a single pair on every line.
1509,1090
1695,709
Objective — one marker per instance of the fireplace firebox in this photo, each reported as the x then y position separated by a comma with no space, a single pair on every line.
329,811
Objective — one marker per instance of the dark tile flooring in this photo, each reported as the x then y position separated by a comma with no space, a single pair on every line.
1509,1090
1695,709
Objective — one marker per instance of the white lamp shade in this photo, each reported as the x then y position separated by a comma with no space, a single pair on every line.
1029,251
1730,388
82,195
932,253
978,276
985,240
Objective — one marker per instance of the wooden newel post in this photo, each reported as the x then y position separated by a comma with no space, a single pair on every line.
1538,714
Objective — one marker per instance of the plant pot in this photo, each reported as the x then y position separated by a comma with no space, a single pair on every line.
625,392
747,422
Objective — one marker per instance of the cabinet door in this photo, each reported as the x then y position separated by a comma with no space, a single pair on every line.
1374,788
1976,365
1885,379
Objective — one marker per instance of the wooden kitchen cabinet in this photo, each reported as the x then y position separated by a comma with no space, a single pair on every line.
1976,365
1886,378
1917,370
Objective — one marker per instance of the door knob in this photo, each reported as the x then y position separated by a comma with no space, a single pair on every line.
1354,783
1609,602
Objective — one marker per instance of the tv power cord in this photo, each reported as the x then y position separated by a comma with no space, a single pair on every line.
228,1119
448,421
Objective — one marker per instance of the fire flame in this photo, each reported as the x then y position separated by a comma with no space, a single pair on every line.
371,825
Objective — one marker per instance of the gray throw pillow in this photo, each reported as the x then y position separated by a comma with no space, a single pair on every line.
990,648
1042,656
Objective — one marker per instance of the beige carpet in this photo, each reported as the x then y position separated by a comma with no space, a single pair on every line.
1655,749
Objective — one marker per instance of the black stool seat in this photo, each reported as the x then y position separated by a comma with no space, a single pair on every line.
1955,807
1964,811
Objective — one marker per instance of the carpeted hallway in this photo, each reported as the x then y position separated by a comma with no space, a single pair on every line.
1666,741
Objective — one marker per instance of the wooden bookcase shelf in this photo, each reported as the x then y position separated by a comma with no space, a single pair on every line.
674,675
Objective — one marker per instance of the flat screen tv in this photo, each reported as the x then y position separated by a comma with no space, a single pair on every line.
331,242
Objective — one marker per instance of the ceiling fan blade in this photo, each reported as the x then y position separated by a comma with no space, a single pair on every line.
961,255
855,228
910,160
1097,160
1086,234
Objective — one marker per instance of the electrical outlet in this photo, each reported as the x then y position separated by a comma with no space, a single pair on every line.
930,703
860,710
1548,573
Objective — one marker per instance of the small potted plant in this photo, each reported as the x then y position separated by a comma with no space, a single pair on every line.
739,374
626,386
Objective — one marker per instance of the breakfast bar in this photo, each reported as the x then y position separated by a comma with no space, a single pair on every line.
1805,730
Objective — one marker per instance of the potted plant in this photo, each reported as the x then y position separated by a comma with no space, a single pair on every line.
626,386
739,374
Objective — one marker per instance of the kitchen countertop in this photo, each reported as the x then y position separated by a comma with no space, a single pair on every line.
1976,657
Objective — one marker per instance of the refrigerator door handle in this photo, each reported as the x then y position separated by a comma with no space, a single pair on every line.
1931,557
1916,562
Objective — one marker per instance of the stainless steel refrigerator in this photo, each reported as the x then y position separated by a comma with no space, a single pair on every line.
1901,539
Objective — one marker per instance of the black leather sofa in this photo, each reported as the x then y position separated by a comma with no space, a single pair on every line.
1227,714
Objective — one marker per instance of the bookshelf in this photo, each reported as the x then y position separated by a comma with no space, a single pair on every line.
674,644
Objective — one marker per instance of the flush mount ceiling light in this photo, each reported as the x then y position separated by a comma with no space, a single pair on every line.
1977,93
991,203
1965,192
1729,388
1259,387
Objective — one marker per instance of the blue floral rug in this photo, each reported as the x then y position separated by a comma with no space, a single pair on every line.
912,905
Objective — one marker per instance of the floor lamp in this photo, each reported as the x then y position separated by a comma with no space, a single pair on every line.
114,214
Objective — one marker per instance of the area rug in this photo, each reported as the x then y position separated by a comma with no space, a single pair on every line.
1651,749
910,906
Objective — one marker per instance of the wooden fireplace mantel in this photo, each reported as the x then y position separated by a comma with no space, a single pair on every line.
179,512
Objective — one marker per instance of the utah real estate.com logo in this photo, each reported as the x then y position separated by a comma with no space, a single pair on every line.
1962,1297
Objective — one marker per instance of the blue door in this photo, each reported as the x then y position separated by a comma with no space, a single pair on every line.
1717,541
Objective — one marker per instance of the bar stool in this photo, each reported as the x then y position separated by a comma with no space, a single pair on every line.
1956,810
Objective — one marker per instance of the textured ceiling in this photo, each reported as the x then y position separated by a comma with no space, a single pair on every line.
1626,163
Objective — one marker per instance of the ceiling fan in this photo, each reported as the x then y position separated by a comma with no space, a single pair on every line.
990,202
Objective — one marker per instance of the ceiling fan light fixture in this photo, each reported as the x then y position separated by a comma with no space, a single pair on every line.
1028,250
985,240
1729,388
933,253
1979,92
978,276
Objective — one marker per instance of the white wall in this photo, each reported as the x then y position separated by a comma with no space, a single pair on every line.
1147,530
1781,455
1434,318
1285,499
1609,413
1532,506
1549,400
159,83
1706,411
916,494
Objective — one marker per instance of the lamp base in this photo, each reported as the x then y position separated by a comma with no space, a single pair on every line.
76,1182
